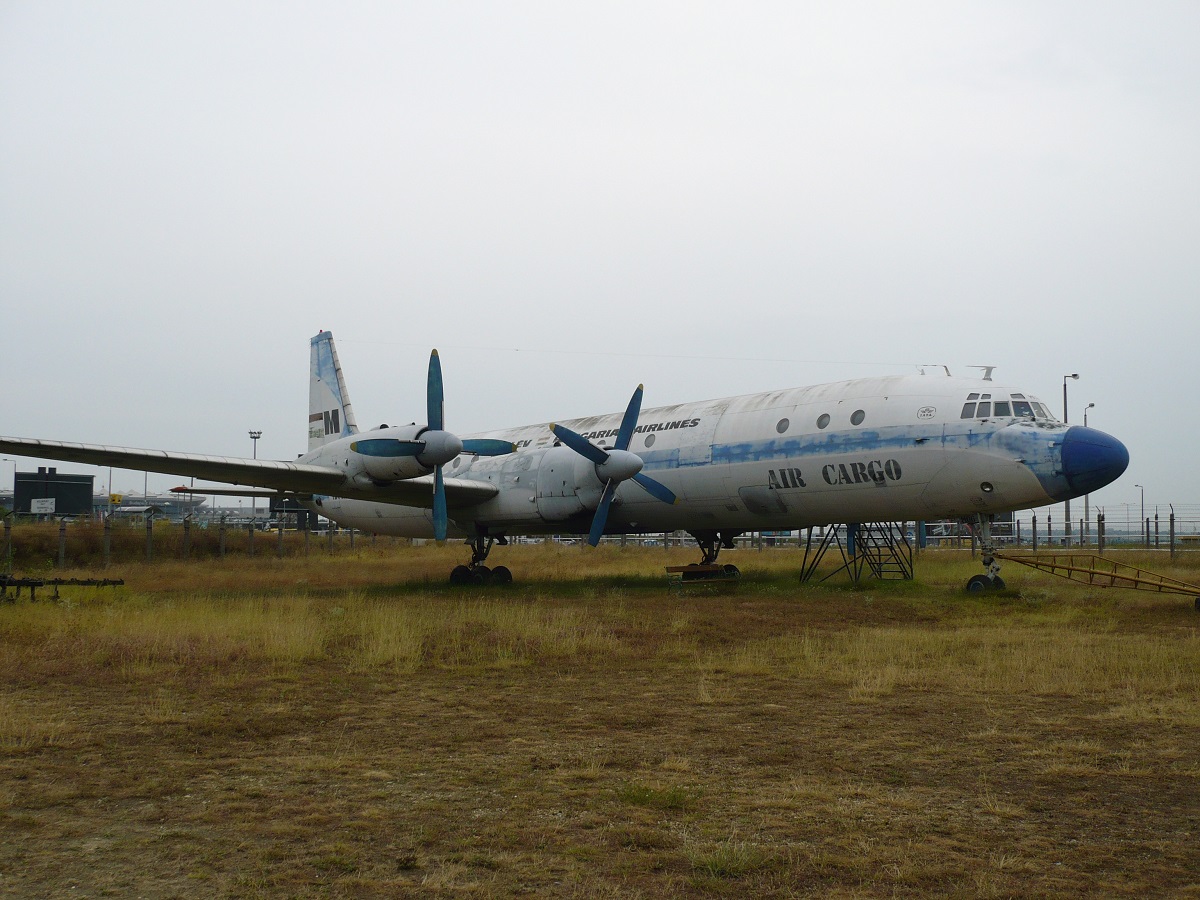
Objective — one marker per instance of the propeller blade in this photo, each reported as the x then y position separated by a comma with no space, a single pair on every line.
629,420
439,505
488,447
601,517
655,489
434,396
579,444
387,447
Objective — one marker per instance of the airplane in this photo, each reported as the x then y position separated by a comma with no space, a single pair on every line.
884,449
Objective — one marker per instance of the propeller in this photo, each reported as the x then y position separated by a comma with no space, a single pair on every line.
433,446
615,465
441,446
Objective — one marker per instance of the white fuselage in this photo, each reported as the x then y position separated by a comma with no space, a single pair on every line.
879,449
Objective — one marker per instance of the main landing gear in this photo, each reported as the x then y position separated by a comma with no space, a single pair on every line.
476,572
992,581
711,544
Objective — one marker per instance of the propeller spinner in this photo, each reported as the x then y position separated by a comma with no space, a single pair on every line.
615,465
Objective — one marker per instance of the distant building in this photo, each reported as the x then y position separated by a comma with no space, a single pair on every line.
47,492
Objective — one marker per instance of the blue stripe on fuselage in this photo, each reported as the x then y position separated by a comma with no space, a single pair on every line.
1035,445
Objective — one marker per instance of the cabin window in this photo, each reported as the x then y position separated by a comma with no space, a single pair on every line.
649,440
823,421
1003,409
782,425
968,411
856,417
1022,408
984,409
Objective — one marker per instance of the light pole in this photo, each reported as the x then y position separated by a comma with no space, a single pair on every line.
254,436
1142,520
1067,503
1087,522
14,462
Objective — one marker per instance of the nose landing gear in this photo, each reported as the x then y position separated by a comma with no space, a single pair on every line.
991,581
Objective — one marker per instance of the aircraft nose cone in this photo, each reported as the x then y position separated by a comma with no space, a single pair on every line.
1091,459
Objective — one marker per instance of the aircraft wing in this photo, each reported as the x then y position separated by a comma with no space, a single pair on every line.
283,477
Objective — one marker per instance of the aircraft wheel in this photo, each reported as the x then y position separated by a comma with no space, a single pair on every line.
977,584
997,583
731,570
460,575
481,574
501,575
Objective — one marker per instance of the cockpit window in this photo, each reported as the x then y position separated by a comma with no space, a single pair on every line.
983,410
1003,409
1022,408
1040,411
968,411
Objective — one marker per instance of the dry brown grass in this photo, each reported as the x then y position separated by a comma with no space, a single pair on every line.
352,727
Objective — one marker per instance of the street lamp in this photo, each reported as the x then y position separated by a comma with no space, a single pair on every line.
1087,522
254,436
14,462
1142,520
1067,504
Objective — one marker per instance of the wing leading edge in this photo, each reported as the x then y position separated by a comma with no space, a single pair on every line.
283,477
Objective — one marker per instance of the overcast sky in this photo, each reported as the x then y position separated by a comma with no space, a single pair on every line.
567,199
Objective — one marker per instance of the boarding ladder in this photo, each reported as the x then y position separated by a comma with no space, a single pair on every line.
1100,571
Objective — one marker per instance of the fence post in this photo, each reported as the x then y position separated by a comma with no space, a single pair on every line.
279,544
107,540
1035,534
1100,533
1172,533
250,536
187,536
1156,531
307,536
149,538
352,539
221,537
62,542
8,544
329,537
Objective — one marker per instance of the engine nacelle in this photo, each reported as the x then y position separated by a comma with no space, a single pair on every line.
389,454
566,485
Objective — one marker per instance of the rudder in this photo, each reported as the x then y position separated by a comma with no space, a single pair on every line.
330,415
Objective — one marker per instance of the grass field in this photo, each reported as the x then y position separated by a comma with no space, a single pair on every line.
353,727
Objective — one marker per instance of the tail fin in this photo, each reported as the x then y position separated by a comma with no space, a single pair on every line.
330,415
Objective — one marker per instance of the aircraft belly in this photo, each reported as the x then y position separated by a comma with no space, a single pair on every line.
378,518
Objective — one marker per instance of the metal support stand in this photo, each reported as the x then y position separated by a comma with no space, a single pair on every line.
879,550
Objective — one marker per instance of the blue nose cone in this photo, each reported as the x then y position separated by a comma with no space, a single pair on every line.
1091,459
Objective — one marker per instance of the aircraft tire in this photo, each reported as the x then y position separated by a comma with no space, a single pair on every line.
977,584
997,583
731,570
481,575
501,575
461,575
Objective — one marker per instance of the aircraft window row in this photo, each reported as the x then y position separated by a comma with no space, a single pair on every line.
856,418
823,420
982,406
